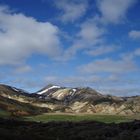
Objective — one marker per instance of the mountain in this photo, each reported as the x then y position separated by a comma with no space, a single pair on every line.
68,94
54,98
17,102
12,90
87,100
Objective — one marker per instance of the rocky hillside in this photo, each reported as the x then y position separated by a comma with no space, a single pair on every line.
16,102
73,100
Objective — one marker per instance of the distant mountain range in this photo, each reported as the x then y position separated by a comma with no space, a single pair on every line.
58,99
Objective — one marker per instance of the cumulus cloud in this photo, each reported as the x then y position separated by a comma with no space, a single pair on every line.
85,79
21,36
101,49
120,91
89,35
137,52
72,80
23,69
113,11
90,31
110,84
134,34
30,85
109,66
93,30
71,9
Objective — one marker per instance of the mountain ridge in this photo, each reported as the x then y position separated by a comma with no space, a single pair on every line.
73,100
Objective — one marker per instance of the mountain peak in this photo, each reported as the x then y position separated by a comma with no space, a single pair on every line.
47,88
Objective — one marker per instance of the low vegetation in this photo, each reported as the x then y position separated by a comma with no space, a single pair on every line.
4,114
80,117
83,130
9,107
24,116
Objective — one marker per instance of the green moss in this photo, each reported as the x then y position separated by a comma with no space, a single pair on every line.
4,114
59,117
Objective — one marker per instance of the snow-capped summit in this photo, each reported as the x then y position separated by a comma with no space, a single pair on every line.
19,90
44,90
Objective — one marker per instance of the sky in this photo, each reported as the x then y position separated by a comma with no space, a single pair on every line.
72,43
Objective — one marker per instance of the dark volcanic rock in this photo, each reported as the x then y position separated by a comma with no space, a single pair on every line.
20,130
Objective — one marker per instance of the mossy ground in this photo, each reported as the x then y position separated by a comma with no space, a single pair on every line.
4,114
80,117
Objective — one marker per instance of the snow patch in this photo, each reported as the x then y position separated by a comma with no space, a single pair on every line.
19,90
74,90
52,87
15,89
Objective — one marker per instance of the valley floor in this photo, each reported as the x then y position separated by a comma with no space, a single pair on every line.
47,117
83,130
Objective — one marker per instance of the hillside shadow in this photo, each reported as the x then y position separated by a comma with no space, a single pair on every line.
84,130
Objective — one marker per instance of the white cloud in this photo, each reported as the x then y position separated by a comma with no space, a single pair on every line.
72,80
21,36
23,69
71,9
120,91
131,55
113,11
28,84
90,34
109,66
100,50
134,34
137,52
110,84
82,80
90,31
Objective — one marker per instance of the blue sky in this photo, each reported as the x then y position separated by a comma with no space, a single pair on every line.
72,43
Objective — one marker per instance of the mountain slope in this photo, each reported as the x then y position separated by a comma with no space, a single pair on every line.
71,100
13,102
68,94
15,108
87,100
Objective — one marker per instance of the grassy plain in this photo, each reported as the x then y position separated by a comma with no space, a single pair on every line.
81,117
